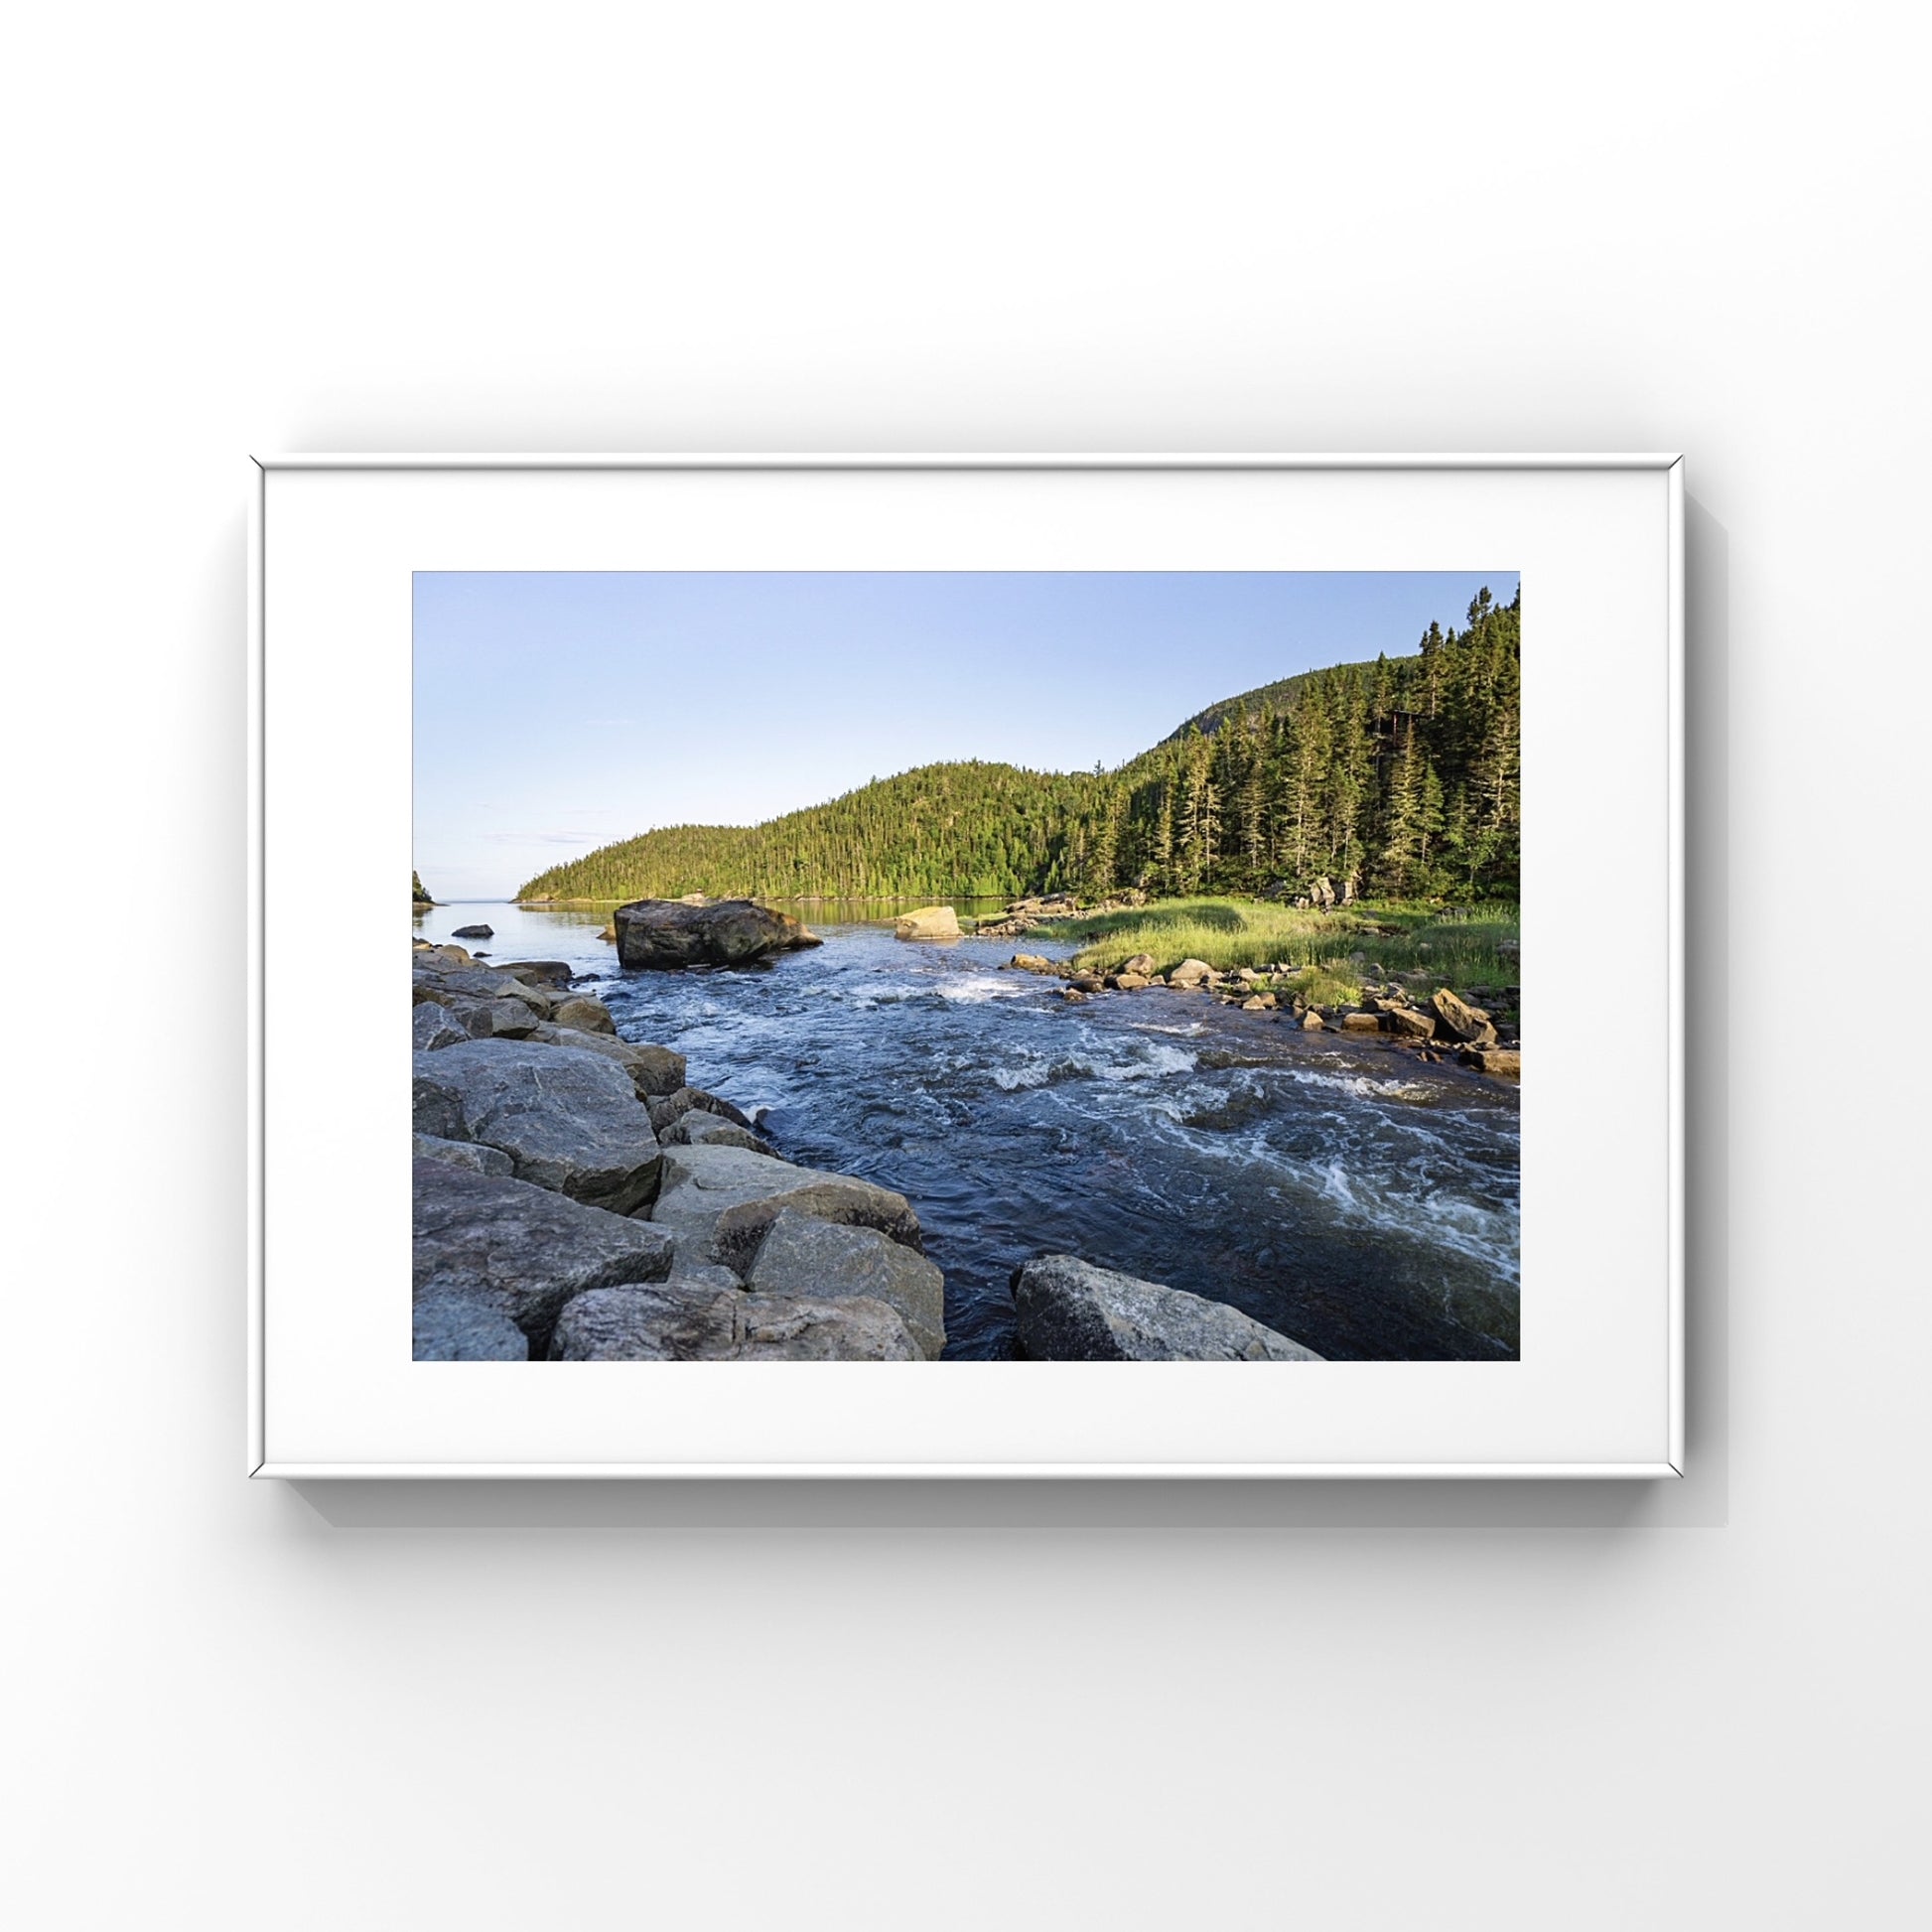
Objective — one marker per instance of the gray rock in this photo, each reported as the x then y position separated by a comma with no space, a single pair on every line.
552,974
698,1126
685,1321
432,1026
1069,1310
793,1328
583,1013
726,1197
569,1121
448,987
466,1155
505,1249
454,1328
1191,972
675,1321
473,932
660,933
1142,963
653,1070
671,1106
816,1259
493,1018
1456,1021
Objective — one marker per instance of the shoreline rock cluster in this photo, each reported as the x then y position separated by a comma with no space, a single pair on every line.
577,1199
1442,1026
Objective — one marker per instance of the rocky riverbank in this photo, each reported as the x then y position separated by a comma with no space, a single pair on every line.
1441,1026
577,1198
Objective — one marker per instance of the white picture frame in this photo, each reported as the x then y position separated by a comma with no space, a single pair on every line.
332,1392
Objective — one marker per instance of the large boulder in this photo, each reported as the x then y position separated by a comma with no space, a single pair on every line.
453,985
1143,963
492,1018
688,1320
473,932
583,1014
551,973
660,933
653,1070
1503,1063
1069,1310
819,1259
927,923
454,1328
507,1250
667,1108
432,1026
699,1127
1408,1023
469,1156
726,1197
1459,1020
1192,972
795,1329
569,1121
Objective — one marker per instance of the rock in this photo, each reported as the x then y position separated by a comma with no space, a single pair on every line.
697,1127
1069,1310
1504,1063
1085,983
492,1018
1129,981
689,1320
569,1120
724,1197
539,972
1142,963
432,1026
927,923
1032,962
450,984
1191,972
1258,1003
671,1106
791,1328
658,934
653,1070
506,1248
1361,1022
1408,1023
1074,995
1312,1022
468,1155
802,1256
1246,975
1455,1020
1321,893
454,1328
583,1014
473,932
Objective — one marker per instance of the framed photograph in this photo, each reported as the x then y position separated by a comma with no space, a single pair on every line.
947,966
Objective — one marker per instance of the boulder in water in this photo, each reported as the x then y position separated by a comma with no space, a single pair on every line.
659,934
583,1014
473,932
1459,1020
1069,1310
927,923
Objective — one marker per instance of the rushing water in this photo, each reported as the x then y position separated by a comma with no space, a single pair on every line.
1344,1192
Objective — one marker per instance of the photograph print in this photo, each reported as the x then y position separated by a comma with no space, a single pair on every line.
922,966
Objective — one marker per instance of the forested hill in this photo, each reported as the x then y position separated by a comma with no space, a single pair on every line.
1401,777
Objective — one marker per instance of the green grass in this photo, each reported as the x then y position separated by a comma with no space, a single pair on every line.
1333,954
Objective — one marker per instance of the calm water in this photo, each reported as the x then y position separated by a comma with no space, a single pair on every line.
1349,1194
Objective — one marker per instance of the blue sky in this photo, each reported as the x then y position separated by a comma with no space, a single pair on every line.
557,712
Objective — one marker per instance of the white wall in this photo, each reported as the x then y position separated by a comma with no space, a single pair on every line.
1027,226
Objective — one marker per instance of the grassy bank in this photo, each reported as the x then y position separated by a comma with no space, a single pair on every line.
1335,952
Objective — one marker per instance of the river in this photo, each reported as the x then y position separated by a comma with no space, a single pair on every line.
1344,1192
